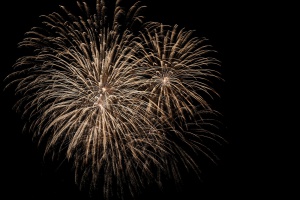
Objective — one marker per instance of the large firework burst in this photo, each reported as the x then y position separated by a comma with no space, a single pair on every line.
126,104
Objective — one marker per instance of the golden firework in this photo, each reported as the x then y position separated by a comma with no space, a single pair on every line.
127,106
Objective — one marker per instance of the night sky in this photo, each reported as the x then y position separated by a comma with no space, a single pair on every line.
250,165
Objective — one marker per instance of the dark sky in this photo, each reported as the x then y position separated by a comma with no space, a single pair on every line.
249,163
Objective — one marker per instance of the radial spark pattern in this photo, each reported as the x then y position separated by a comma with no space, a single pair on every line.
127,105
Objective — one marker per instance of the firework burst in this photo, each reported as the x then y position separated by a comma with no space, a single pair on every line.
127,106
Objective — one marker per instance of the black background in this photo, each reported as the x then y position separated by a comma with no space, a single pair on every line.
248,36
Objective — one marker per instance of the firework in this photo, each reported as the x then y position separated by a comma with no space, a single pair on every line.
127,105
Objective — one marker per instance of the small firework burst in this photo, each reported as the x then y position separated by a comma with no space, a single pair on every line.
126,105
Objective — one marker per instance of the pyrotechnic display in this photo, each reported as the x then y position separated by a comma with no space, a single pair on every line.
128,101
